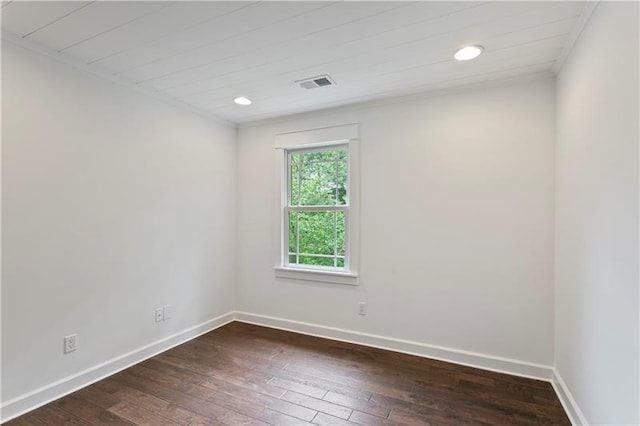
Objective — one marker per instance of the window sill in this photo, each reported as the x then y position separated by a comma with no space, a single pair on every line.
335,277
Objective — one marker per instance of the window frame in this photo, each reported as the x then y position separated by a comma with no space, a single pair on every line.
288,208
349,274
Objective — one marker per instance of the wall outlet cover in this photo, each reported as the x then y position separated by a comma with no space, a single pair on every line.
159,314
70,343
362,308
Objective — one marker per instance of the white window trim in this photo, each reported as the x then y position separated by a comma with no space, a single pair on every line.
335,277
321,138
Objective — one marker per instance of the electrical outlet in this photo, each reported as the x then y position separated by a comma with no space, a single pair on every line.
159,314
167,311
362,308
70,343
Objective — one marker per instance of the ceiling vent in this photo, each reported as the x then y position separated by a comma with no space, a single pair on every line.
314,82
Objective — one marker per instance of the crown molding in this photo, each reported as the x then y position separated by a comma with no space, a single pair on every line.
578,27
92,69
401,99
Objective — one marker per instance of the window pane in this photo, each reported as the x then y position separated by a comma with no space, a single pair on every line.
293,179
340,246
318,178
316,261
316,238
342,178
293,233
316,232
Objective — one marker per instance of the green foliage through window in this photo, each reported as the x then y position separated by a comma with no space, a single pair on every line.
317,178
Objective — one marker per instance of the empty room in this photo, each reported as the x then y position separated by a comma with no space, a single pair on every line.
320,213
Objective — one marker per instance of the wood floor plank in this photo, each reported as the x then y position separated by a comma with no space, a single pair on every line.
317,404
368,407
413,419
20,421
305,389
246,375
320,382
365,419
179,396
323,419
236,419
160,407
438,409
201,372
78,406
283,406
139,416
96,396
53,416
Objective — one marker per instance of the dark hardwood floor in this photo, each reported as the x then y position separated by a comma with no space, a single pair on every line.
243,374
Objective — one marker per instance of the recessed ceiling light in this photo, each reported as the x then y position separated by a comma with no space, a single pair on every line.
241,100
468,52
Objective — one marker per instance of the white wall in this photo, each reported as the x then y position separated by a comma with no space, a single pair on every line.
456,223
596,333
113,204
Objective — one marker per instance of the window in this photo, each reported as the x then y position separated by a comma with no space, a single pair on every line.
318,181
317,209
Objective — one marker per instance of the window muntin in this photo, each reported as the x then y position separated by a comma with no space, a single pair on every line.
317,208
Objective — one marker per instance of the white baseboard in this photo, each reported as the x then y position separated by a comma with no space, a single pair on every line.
566,399
36,398
456,356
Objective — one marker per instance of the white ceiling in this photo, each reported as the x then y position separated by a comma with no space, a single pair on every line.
206,53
